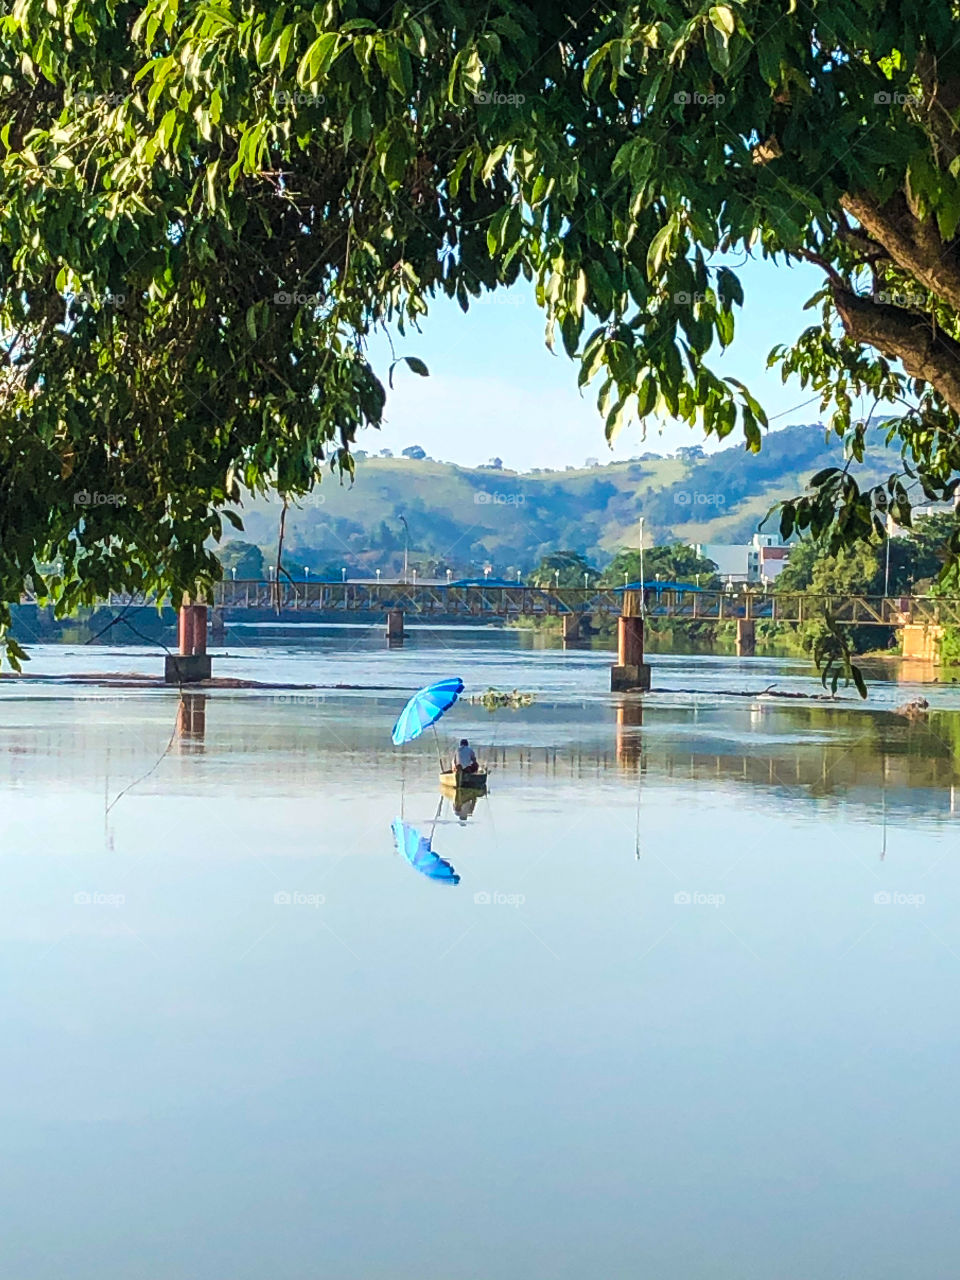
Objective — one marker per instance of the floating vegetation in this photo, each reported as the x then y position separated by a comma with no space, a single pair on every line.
914,709
494,699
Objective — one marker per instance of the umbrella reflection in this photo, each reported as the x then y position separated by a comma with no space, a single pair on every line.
417,851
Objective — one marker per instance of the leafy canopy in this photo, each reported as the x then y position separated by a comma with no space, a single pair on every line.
207,205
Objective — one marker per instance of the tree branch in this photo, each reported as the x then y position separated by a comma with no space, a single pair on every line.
901,335
913,244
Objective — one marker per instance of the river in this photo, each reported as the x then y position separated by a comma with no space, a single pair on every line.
689,1011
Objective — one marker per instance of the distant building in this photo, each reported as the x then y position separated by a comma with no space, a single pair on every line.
761,560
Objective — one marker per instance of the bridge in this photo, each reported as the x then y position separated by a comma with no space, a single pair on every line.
450,602
921,618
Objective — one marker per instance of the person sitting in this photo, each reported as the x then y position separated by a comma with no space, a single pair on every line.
465,758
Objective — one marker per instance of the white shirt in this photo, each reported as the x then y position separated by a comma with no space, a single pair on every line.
465,756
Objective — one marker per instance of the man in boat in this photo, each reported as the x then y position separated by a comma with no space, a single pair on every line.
465,758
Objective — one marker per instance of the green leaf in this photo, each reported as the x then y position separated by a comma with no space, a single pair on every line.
414,363
318,59
658,248
284,45
721,15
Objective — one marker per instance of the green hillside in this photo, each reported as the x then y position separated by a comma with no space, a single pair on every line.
464,518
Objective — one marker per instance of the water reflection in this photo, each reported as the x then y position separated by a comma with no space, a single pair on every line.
625,1035
629,742
191,728
419,852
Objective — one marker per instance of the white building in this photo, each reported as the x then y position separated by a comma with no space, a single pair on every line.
759,561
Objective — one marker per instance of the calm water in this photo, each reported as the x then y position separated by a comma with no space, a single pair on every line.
690,1011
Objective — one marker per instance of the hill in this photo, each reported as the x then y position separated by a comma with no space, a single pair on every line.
466,517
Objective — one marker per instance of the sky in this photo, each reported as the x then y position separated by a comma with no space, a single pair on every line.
495,390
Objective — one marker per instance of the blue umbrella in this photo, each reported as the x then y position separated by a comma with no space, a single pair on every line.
425,708
416,849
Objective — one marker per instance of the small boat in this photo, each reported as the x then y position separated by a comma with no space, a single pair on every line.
457,780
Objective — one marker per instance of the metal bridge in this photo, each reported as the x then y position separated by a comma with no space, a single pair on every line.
441,601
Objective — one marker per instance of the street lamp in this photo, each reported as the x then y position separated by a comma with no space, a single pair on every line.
449,576
586,578
556,578
643,594
306,573
486,571
234,573
414,577
518,577
343,574
378,576
406,545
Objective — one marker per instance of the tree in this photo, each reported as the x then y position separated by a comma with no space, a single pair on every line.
206,211
242,557
564,569
416,452
677,562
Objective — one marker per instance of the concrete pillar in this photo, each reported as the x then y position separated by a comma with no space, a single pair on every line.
395,626
631,672
571,627
218,626
746,637
192,664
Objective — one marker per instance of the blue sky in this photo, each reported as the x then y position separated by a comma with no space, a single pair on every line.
495,389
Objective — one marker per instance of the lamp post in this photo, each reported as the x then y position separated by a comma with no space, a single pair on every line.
378,577
343,574
518,577
586,579
556,578
449,576
643,594
406,545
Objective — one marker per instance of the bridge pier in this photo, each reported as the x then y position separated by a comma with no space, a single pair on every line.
746,638
630,672
193,663
395,626
571,628
218,626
